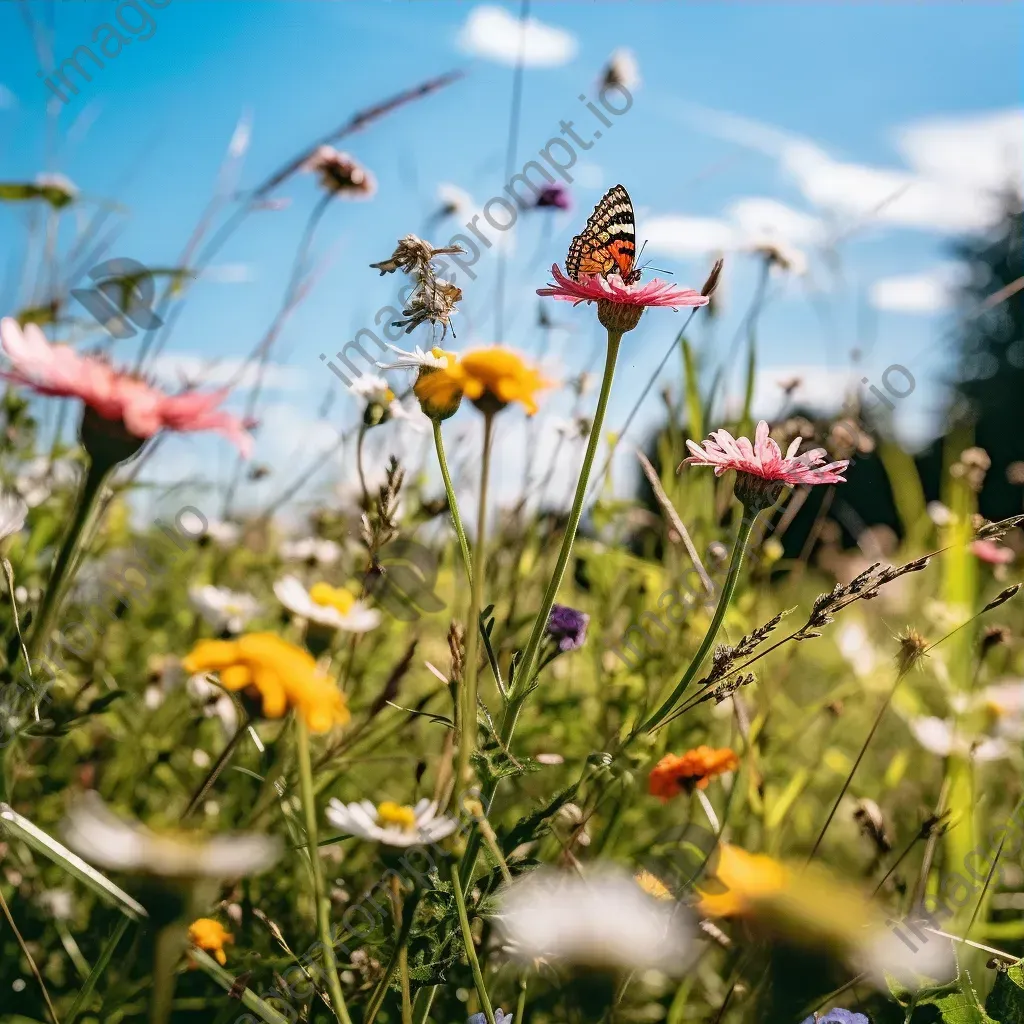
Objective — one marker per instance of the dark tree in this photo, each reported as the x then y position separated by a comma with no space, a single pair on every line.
989,389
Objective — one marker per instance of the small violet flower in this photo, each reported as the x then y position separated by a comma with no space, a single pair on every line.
567,627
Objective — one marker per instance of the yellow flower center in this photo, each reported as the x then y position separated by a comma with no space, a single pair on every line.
327,596
995,709
389,395
390,813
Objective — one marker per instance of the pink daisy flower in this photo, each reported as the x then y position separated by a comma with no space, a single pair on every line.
992,552
610,292
762,468
143,409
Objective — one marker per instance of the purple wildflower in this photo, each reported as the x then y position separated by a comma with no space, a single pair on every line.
567,627
555,196
837,1016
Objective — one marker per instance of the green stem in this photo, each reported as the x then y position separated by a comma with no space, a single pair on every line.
92,487
453,505
743,535
322,904
170,943
521,1003
528,665
467,941
467,733
215,771
403,951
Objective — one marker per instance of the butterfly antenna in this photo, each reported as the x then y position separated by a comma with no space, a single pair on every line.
659,270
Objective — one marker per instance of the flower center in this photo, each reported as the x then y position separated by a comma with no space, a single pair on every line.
327,596
390,813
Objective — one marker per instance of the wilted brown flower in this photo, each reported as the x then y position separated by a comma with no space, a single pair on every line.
432,302
341,174
413,255
972,465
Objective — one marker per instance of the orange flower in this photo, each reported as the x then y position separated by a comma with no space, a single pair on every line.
676,773
211,937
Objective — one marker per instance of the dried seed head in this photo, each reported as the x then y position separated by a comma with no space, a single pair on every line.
872,824
972,466
712,282
1002,598
432,302
912,649
456,648
413,255
994,636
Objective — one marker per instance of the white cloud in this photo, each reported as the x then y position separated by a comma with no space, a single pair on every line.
493,33
819,388
953,166
983,151
927,292
749,222
676,235
192,368
7,98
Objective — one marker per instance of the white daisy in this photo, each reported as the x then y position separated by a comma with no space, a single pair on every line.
327,605
391,823
603,919
109,841
416,359
222,608
372,388
940,736
855,646
223,533
13,511
311,549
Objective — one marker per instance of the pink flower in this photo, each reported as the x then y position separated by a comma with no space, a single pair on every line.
595,288
764,459
991,552
60,371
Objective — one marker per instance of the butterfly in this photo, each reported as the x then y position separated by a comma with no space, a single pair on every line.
607,245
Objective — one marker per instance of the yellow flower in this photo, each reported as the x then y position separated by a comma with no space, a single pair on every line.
210,936
743,879
391,813
280,674
652,885
490,377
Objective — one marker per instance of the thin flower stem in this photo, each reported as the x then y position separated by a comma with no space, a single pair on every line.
169,945
92,487
403,951
467,731
322,904
742,536
856,764
28,957
467,941
359,465
528,666
453,505
521,1003
214,773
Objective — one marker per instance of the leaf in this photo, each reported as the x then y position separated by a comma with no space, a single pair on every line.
1005,1002
534,825
226,980
100,704
96,973
20,192
21,828
492,766
694,413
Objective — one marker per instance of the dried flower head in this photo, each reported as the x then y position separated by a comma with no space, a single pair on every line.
995,636
872,824
340,173
432,302
413,255
912,649
972,466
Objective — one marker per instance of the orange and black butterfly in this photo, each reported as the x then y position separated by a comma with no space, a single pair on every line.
607,245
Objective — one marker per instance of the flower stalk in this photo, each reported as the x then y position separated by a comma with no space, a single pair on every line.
453,505
528,666
468,709
319,897
724,600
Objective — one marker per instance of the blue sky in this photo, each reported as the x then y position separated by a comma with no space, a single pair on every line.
885,125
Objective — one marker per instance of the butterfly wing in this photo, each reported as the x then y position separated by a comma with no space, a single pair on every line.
607,245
